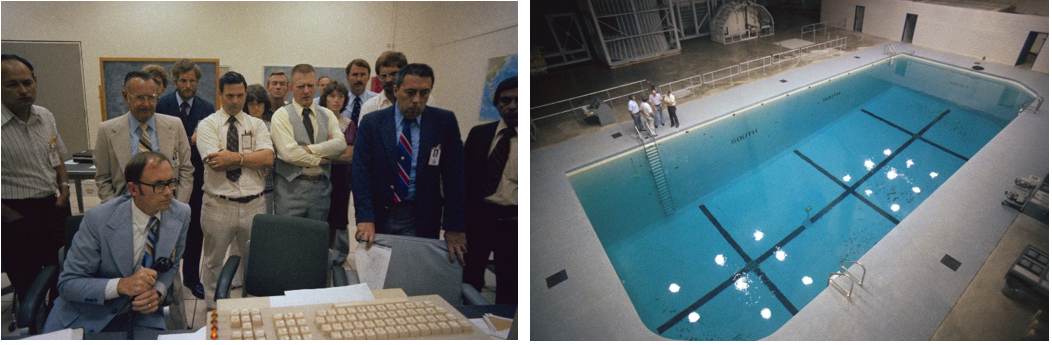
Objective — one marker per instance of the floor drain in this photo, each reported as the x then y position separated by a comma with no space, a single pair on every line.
857,57
557,278
950,262
784,81
616,135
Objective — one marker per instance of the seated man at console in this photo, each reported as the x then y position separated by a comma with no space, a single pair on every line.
125,255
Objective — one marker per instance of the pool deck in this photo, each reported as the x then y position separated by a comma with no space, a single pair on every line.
907,291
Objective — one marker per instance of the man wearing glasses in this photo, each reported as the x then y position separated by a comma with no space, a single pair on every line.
142,130
191,109
125,255
387,66
236,148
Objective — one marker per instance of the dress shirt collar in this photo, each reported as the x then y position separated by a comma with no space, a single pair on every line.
399,117
134,123
8,115
239,117
299,109
139,218
181,100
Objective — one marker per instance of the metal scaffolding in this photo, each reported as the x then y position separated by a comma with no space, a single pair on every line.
634,30
695,16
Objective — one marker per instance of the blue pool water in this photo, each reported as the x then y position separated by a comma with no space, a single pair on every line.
770,199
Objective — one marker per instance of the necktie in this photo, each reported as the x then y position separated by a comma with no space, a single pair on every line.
151,240
405,160
232,146
182,112
497,159
307,124
356,109
144,138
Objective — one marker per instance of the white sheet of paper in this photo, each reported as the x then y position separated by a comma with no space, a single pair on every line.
372,264
62,334
70,162
200,334
278,301
339,294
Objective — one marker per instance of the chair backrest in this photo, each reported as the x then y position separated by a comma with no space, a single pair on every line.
72,225
286,253
420,266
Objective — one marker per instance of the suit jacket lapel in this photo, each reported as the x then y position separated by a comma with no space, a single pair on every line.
120,237
122,133
169,235
387,136
428,125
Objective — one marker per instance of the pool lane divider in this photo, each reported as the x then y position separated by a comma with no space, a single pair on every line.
753,265
955,154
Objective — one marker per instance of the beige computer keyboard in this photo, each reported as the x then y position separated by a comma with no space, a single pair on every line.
417,317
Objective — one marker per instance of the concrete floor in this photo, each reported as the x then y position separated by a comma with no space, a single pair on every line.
698,56
909,295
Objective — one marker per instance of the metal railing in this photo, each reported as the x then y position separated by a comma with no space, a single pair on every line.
578,103
826,28
728,73
1027,105
845,272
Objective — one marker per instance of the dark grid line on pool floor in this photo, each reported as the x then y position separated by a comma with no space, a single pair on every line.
753,265
955,154
852,191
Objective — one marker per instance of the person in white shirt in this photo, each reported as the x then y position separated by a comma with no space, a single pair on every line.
633,108
236,149
670,102
647,115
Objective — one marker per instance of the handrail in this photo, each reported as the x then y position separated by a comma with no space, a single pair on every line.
1026,105
889,50
842,272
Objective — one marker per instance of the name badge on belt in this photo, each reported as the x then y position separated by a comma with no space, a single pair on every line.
436,154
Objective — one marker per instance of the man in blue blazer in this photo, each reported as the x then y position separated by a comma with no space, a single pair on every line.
114,277
407,175
186,75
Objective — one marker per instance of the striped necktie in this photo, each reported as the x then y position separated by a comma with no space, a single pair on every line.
497,159
151,240
145,144
405,161
232,146
356,109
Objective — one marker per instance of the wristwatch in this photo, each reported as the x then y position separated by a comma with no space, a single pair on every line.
63,184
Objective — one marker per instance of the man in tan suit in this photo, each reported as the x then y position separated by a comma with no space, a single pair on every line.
139,130
164,134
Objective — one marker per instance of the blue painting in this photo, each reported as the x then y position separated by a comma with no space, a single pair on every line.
499,68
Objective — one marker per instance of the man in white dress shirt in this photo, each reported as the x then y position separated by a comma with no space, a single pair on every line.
236,148
387,66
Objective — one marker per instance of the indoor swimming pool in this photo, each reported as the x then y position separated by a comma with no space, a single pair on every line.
770,199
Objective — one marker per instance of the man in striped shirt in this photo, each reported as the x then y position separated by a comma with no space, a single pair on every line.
33,156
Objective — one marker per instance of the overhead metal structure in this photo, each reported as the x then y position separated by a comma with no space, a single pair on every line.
634,30
695,16
741,20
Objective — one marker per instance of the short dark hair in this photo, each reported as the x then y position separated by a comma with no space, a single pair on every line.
6,57
257,93
281,73
183,66
356,62
137,74
334,87
138,163
507,84
231,78
417,69
302,69
390,59
158,73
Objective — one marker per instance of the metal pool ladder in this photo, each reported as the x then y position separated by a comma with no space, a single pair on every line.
658,170
1030,104
845,272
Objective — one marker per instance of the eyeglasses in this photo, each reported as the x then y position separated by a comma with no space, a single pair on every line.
159,186
144,98
387,75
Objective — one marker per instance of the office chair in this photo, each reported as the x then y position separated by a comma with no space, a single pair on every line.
33,313
420,266
285,253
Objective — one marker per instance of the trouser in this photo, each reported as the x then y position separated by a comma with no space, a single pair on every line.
302,198
225,222
639,123
32,242
499,235
648,122
401,220
672,118
660,115
191,266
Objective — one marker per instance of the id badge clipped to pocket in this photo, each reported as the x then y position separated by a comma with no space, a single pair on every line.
436,154
52,154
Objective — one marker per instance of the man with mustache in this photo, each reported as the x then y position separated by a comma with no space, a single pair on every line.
407,176
387,66
357,79
33,156
113,279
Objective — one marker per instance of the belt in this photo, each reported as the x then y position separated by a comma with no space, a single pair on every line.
243,200
314,178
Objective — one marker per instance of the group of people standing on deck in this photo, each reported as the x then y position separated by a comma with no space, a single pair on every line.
643,113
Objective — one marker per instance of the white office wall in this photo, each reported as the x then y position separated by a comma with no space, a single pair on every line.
996,36
249,35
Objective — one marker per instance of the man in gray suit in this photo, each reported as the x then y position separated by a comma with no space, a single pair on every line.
142,130
125,255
